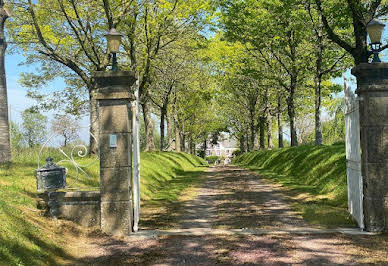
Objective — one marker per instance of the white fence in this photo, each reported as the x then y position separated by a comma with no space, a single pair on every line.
353,156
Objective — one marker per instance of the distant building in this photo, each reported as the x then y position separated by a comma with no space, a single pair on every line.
224,148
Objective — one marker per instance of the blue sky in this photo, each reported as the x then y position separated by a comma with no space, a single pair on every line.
17,99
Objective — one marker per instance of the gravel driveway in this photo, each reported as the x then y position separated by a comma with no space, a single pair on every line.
231,198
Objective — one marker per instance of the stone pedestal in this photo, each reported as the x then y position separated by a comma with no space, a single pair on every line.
82,207
114,97
372,88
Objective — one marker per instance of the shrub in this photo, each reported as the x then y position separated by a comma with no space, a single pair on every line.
212,159
236,153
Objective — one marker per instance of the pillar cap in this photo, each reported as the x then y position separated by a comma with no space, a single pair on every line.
111,78
371,77
114,85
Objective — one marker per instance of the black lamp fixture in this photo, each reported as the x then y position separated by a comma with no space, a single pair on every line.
113,39
375,29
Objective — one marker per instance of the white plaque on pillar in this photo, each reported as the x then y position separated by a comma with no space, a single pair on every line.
113,141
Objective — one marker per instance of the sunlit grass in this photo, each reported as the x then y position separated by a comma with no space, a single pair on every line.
313,176
27,237
166,179
22,240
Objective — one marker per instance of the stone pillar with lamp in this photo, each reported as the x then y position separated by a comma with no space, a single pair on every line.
372,89
114,95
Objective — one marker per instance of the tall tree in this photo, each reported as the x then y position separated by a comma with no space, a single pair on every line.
276,32
66,127
346,22
173,66
240,78
329,62
71,32
5,145
65,38
34,127
152,27
16,135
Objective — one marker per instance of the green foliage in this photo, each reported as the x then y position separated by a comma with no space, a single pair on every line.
314,175
142,133
346,23
212,159
34,127
67,41
333,130
16,135
236,152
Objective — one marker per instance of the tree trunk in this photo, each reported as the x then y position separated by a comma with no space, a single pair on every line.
256,146
94,130
204,148
5,142
162,116
360,53
191,146
291,115
194,148
242,144
280,131
247,139
280,125
169,133
291,112
149,127
252,129
30,142
269,130
176,126
261,131
183,139
318,124
177,135
317,87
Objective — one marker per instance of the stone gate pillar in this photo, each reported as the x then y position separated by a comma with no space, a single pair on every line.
114,97
372,88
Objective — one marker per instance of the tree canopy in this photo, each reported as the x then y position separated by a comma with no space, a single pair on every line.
261,70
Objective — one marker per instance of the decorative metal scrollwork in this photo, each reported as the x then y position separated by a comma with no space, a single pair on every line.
78,151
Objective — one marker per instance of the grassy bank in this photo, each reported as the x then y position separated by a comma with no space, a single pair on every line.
29,238
313,177
168,179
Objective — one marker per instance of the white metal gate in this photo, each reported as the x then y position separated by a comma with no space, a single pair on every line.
353,156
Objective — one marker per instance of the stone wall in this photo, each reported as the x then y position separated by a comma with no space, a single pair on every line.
82,207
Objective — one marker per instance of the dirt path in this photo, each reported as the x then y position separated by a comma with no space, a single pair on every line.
233,198
201,212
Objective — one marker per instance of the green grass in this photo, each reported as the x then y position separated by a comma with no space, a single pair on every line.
314,177
160,171
29,238
167,177
23,239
